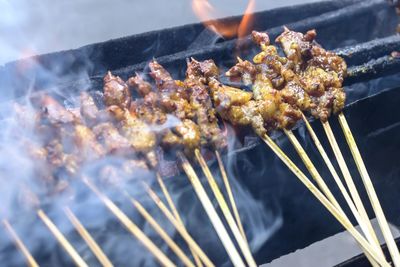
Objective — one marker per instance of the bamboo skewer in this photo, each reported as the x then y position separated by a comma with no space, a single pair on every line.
363,224
174,210
131,227
317,177
230,194
348,179
394,251
61,239
20,245
329,206
225,210
171,243
311,168
182,230
212,214
97,251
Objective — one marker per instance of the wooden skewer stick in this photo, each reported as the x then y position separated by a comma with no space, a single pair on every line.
20,245
131,227
61,239
349,180
230,194
182,230
315,174
311,168
211,212
171,243
363,224
174,210
394,251
97,251
324,201
244,247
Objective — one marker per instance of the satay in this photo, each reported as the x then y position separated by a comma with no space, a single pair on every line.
183,115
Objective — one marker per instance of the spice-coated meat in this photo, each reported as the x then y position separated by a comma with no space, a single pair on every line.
201,103
116,91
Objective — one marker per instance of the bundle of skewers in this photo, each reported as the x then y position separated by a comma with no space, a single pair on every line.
142,122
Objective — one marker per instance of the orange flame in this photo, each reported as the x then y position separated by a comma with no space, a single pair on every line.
206,12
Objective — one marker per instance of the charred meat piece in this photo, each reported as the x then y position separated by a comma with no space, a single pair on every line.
136,131
261,39
275,110
88,109
170,140
141,86
310,78
148,109
332,100
225,96
174,99
173,95
294,94
54,112
112,140
47,177
237,106
202,70
276,68
59,159
324,85
244,70
317,81
200,101
116,91
328,61
190,135
73,136
297,46
323,75
86,145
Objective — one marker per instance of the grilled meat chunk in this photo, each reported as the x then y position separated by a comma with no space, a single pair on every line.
112,140
173,95
141,86
261,39
244,70
200,101
226,96
202,70
310,78
174,99
297,46
236,106
86,144
189,133
136,131
328,61
323,80
54,113
148,108
116,91
88,109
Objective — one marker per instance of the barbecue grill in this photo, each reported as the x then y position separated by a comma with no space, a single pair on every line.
362,32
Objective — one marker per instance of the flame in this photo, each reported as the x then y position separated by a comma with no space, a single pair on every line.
206,12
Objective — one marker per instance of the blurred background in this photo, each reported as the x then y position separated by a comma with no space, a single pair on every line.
36,27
